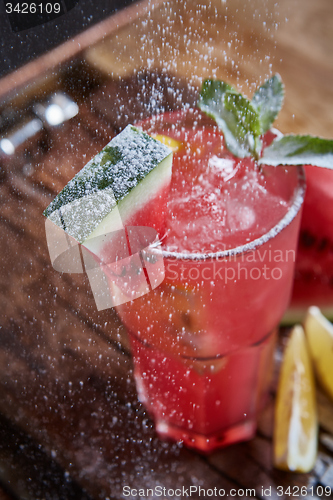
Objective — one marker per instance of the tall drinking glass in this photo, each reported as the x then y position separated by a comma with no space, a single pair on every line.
203,340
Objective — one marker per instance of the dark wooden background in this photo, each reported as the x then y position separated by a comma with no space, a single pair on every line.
70,423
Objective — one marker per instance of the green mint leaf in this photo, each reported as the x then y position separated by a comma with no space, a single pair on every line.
212,90
268,100
299,150
235,116
242,120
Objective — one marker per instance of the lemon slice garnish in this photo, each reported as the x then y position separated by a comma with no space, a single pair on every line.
296,427
319,334
168,141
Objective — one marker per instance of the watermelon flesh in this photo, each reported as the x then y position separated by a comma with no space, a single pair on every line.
313,283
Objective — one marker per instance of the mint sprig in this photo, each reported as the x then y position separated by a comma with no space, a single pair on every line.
243,122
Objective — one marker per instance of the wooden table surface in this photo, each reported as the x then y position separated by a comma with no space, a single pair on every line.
70,422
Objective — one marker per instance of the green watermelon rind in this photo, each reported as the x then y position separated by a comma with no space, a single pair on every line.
106,181
297,314
152,183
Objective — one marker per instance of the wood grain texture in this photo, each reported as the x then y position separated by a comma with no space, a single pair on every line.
241,42
66,379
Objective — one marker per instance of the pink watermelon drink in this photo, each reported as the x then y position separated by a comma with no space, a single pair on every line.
203,340
314,264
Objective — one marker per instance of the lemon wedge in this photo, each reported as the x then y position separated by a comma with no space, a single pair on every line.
168,141
296,427
319,334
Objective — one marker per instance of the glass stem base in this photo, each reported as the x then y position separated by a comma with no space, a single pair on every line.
203,443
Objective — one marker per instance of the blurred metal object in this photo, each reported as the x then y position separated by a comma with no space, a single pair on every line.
22,143
12,141
56,110
27,137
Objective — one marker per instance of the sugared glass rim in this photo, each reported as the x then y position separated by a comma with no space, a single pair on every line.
297,202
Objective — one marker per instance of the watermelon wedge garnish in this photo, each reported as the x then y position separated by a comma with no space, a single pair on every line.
125,185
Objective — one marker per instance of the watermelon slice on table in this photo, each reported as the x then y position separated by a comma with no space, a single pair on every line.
313,283
124,185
